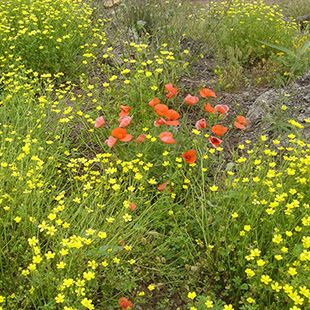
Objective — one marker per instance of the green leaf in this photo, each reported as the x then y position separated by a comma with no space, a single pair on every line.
281,48
229,166
305,47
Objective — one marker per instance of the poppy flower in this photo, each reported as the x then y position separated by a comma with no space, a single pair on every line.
163,186
166,137
124,303
132,206
202,123
125,110
161,109
160,121
141,138
190,156
191,99
207,93
209,109
171,90
172,117
99,122
110,141
241,122
215,141
219,130
124,121
221,108
121,134
153,102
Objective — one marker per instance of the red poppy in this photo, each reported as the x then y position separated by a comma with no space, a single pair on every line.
163,186
207,93
208,108
132,206
125,110
141,138
161,109
124,303
171,90
166,137
191,99
99,122
110,141
219,130
221,108
172,117
215,141
241,122
190,156
121,134
124,121
160,121
153,102
202,123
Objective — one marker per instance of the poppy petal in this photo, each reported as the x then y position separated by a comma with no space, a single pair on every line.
190,156
163,186
205,92
172,123
221,108
219,130
240,126
125,110
132,206
209,109
99,122
160,121
153,102
119,133
202,123
141,138
215,141
166,137
161,109
127,138
124,121
242,120
110,141
191,99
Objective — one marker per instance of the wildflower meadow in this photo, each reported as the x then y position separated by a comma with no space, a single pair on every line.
126,182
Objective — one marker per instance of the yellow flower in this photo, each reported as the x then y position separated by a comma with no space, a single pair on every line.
265,279
250,300
247,227
191,295
209,303
151,287
88,275
104,264
292,271
276,287
214,188
249,272
60,298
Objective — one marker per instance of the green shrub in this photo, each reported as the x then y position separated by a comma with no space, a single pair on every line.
243,24
46,35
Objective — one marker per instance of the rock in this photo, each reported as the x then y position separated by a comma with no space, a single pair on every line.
266,110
